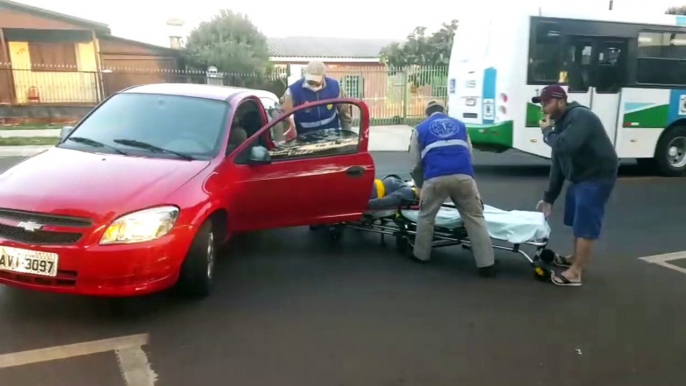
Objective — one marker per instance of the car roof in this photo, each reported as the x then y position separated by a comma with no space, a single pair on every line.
206,91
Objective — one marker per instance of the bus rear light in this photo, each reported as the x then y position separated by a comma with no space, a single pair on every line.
503,96
503,110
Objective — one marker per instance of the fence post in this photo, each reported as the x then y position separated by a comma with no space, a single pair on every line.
405,94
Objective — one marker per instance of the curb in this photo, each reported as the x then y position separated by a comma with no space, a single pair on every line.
29,133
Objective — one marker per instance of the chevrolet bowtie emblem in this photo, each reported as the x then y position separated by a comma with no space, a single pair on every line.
30,226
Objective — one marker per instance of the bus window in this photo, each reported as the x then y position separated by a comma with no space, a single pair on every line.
661,58
577,63
610,74
545,64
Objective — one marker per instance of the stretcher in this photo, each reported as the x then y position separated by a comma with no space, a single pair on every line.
510,231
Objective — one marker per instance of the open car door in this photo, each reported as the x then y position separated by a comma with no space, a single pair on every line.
320,176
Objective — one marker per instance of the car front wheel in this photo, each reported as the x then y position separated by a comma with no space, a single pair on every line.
197,271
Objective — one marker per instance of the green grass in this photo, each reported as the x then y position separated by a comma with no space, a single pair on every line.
29,141
31,126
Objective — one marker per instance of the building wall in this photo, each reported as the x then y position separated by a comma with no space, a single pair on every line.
78,85
128,63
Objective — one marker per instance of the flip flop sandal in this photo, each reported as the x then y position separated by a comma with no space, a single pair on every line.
562,261
562,281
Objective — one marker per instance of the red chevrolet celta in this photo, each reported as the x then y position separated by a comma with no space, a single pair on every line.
140,194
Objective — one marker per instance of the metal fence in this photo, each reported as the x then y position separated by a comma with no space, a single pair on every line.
394,95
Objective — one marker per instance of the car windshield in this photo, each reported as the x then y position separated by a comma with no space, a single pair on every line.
153,125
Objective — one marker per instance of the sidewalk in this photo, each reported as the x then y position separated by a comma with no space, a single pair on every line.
381,138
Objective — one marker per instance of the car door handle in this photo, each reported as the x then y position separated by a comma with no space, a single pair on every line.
355,171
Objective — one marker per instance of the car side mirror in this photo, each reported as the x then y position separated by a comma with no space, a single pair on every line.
66,130
259,156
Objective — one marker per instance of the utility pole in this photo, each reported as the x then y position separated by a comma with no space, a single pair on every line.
611,3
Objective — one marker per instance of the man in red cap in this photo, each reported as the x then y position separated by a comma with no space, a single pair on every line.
583,154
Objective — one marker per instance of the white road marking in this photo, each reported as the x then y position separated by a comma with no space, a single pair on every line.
135,367
72,350
662,260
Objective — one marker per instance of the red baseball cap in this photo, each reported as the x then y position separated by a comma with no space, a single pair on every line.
554,91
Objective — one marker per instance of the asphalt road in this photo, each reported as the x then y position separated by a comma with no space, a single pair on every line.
291,309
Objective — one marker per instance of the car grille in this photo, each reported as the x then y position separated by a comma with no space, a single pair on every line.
41,237
37,237
47,219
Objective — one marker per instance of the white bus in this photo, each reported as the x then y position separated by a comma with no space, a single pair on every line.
630,70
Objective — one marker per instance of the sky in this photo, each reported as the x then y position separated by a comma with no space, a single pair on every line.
145,20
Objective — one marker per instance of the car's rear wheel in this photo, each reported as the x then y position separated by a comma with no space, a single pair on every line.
197,271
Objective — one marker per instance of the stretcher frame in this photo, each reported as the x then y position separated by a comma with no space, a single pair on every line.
404,230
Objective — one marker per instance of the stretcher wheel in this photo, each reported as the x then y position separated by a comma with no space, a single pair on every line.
335,233
402,244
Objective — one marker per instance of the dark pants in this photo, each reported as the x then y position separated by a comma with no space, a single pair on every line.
585,207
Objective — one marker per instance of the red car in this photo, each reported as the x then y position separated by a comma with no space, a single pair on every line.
139,195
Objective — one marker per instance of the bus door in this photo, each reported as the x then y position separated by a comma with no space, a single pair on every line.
609,75
596,72
578,59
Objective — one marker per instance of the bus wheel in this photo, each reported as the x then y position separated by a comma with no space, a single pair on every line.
670,154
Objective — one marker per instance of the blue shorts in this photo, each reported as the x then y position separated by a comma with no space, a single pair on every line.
585,207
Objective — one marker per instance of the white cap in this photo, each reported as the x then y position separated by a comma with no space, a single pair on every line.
315,71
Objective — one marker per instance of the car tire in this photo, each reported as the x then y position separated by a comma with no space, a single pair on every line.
196,278
672,141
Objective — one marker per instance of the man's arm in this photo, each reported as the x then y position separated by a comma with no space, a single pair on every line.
575,134
344,112
286,101
417,172
469,142
555,182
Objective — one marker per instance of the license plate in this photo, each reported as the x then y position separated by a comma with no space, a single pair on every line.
26,261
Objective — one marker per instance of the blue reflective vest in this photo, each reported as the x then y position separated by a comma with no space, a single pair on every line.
320,117
444,147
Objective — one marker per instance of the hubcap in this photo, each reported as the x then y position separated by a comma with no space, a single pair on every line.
676,153
210,256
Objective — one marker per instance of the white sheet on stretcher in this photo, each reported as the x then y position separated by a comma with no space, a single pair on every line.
515,226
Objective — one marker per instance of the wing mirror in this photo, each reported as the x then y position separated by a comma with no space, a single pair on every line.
259,156
66,130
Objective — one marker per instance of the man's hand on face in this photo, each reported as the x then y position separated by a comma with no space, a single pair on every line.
545,122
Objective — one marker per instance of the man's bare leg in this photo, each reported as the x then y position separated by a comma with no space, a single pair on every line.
583,249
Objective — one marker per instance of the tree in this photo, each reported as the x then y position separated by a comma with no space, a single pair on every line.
677,10
420,49
230,42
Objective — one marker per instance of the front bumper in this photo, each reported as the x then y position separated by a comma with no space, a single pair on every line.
109,270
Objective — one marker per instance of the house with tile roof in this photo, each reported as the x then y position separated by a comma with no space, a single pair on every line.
50,58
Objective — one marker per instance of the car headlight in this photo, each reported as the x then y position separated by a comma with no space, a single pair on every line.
144,225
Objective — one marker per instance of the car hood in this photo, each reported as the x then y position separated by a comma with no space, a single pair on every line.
97,186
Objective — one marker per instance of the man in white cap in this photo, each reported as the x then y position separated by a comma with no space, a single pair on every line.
313,87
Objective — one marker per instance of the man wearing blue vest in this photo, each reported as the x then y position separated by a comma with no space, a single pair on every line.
442,154
313,87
